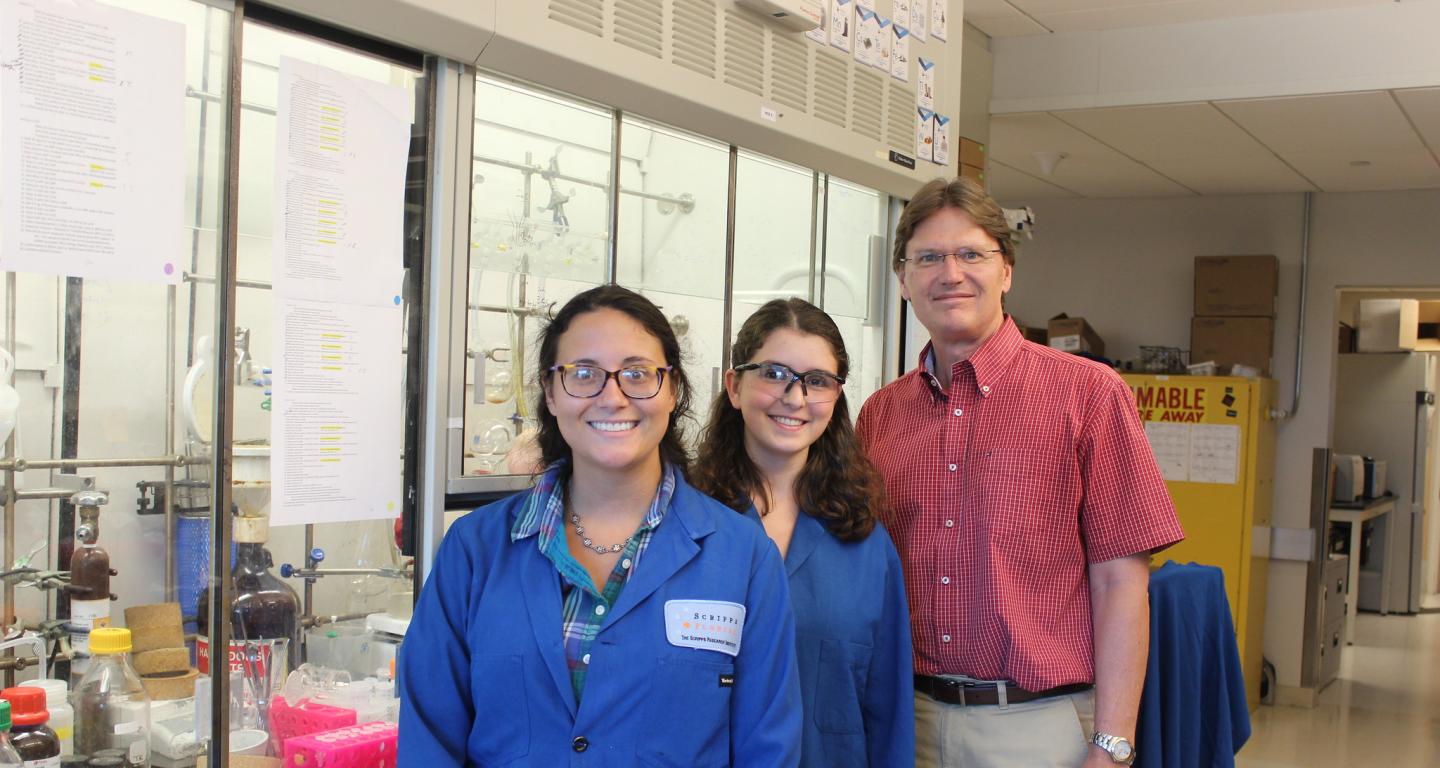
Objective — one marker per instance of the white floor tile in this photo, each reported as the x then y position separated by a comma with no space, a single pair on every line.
1383,711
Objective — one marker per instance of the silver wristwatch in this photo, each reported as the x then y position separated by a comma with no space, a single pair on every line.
1120,749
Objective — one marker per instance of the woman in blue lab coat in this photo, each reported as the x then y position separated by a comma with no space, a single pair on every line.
611,615
781,447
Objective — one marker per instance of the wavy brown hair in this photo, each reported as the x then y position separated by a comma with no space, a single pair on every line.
552,444
970,198
838,486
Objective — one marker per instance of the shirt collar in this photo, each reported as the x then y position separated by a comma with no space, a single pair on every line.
989,362
543,514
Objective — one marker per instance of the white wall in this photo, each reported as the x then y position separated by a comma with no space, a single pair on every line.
1126,265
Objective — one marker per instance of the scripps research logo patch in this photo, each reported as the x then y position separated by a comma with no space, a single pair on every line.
712,625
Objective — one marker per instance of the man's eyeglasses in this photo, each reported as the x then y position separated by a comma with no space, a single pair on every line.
776,379
637,382
968,257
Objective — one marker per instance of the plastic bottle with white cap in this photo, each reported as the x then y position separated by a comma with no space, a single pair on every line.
62,716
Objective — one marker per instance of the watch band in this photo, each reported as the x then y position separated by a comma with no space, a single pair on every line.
1119,748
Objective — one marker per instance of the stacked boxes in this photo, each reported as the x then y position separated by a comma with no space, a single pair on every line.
1234,322
972,160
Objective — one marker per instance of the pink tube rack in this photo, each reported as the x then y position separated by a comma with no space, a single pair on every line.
372,745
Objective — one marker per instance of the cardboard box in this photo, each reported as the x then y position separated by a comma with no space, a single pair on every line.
972,153
1388,325
1073,334
1398,325
1232,341
1038,335
1236,286
972,172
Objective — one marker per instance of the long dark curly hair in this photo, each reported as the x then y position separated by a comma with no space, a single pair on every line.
552,444
838,486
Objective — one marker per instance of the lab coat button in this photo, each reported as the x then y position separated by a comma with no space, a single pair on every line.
580,744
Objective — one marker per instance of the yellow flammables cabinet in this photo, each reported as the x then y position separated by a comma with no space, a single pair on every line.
1214,438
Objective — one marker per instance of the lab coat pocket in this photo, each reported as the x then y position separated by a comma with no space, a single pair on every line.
502,713
687,713
840,684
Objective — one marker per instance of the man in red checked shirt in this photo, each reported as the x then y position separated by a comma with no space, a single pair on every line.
1025,503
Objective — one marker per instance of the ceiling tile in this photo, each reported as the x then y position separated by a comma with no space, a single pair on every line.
1233,175
989,9
1090,168
1194,144
1169,130
1393,170
1013,188
1423,107
1009,26
1087,15
1350,126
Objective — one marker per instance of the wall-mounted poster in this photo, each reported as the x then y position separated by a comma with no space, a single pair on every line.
940,19
925,134
842,27
919,18
900,53
925,89
867,36
942,139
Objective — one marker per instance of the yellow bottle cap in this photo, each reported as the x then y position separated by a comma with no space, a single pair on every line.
108,640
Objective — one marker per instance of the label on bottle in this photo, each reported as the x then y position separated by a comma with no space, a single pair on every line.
256,658
86,615
139,752
46,762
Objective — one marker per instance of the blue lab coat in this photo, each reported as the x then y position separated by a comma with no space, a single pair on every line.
852,630
1193,712
483,677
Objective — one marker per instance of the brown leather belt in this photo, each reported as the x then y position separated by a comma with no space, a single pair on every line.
975,694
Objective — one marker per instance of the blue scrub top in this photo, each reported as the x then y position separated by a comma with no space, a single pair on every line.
483,678
852,632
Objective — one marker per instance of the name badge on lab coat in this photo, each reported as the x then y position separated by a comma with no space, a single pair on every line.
712,625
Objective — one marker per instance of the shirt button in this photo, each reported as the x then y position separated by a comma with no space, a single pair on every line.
959,411
599,610
625,563
949,523
944,579
944,638
580,744
986,390
585,658
952,467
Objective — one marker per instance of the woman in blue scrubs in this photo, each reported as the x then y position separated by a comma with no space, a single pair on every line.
611,615
781,447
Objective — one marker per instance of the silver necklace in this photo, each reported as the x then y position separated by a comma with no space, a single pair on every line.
599,549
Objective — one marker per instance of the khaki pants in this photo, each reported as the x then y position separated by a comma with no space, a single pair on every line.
1047,733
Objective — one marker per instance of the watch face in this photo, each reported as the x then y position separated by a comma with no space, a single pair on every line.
1122,750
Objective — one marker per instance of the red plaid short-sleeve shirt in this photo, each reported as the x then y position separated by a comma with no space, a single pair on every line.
1002,489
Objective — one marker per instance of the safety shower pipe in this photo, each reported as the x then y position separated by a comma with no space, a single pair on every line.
1300,316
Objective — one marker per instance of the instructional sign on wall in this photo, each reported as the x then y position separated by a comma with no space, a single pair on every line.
1193,427
925,87
91,139
338,214
900,53
842,17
